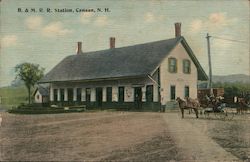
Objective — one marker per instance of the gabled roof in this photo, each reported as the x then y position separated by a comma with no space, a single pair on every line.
130,61
44,91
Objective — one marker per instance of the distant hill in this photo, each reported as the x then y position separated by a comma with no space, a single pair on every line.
13,96
232,78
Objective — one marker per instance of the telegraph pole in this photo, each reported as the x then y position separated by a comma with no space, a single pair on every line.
209,64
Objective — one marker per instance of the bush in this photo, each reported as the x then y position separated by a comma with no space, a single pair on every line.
31,109
234,89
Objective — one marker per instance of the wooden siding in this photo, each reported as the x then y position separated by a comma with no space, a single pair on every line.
179,79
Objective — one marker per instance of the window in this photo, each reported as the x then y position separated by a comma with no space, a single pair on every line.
186,66
186,91
62,94
88,93
149,93
55,95
172,92
172,65
109,94
79,94
121,94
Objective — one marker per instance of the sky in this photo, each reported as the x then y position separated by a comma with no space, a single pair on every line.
45,38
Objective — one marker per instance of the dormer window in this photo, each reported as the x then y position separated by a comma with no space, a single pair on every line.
172,65
186,66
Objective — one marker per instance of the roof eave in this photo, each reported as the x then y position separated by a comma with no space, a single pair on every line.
96,79
202,76
201,73
157,67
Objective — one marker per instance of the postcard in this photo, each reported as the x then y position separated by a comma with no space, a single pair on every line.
148,80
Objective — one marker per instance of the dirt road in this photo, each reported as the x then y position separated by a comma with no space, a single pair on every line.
119,136
84,136
193,143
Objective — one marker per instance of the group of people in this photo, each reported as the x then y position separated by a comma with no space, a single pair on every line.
215,102
243,103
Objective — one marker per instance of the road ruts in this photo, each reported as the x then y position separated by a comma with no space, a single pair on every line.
194,144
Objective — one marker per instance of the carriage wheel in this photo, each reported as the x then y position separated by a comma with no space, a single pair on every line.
207,115
229,116
220,115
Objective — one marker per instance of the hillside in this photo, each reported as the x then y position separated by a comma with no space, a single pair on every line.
232,78
13,96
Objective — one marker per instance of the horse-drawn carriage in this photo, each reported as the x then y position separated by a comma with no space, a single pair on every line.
213,106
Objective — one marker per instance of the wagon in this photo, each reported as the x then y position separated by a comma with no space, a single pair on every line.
216,109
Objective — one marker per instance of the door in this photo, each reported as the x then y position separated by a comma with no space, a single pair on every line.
70,95
88,95
138,97
172,92
55,95
109,94
121,94
79,95
99,96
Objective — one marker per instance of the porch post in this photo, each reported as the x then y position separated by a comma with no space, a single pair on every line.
155,93
143,89
51,93
115,93
93,95
104,94
83,94
74,94
65,94
58,95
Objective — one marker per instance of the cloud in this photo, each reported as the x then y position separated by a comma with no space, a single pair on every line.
214,21
34,22
9,40
101,21
149,17
55,29
85,17
196,25
88,18
50,30
218,19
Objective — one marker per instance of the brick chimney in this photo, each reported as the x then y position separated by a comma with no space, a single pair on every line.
177,29
79,47
112,42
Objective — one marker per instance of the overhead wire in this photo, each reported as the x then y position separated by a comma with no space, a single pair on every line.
233,40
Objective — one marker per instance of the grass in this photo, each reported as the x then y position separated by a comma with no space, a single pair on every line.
13,96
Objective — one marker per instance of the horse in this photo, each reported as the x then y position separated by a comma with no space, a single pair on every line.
195,103
189,104
242,105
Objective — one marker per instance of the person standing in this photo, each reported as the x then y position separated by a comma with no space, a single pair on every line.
235,99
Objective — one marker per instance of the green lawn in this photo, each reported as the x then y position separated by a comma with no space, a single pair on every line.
13,96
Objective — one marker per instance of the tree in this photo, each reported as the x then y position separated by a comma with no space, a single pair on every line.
232,89
30,74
